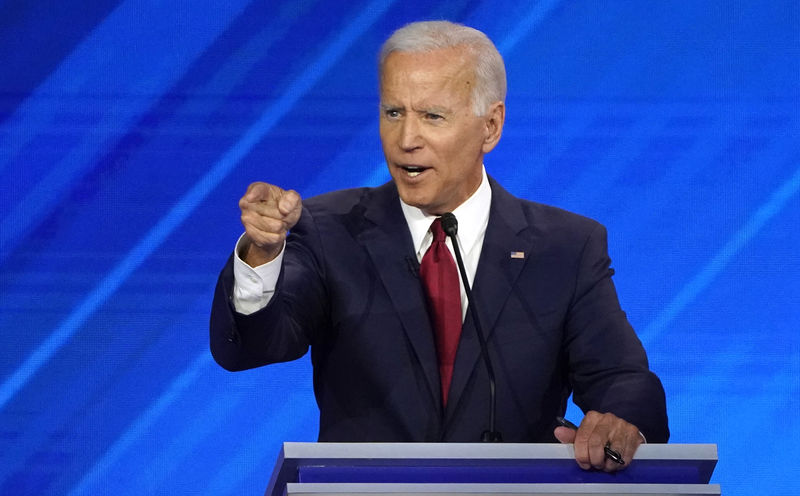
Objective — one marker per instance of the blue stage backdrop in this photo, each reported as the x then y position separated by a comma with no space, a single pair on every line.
129,129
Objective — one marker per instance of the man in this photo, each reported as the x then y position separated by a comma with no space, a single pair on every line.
351,282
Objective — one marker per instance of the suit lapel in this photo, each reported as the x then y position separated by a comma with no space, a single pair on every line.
386,238
507,233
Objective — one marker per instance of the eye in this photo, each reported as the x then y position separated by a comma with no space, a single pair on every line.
392,113
431,116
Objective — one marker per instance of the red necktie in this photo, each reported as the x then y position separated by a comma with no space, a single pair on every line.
440,278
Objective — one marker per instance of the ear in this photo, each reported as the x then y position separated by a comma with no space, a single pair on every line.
494,119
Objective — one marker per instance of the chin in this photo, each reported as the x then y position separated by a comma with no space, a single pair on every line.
414,201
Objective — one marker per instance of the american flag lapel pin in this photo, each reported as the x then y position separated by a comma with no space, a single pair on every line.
518,254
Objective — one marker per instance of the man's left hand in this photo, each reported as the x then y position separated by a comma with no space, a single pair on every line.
596,430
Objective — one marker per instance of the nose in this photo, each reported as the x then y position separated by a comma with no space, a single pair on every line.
410,138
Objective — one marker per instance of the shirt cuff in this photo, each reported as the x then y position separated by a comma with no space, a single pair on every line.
253,287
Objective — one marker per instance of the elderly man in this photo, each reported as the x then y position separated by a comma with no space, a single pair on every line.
366,279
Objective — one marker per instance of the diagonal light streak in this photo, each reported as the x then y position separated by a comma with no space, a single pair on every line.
779,198
91,69
524,26
189,202
142,424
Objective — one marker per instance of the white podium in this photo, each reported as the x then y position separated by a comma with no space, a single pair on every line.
484,469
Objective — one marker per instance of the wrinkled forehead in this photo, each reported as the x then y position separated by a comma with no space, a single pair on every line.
443,84
457,58
453,68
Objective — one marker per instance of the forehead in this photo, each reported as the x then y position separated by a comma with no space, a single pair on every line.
448,70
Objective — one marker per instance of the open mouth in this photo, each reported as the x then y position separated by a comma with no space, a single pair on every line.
413,170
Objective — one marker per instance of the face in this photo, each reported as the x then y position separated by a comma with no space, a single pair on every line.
433,143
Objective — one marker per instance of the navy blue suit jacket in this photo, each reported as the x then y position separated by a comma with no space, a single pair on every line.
350,290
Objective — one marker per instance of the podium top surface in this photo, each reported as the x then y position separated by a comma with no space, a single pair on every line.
480,462
480,451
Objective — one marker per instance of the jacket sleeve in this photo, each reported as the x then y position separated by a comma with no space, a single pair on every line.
609,371
289,324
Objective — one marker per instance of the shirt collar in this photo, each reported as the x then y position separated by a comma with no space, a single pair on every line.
472,216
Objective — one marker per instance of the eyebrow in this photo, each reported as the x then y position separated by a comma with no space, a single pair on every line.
427,110
436,110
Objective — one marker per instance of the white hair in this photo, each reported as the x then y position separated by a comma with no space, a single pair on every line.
427,36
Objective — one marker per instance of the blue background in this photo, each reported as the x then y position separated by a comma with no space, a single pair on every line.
128,131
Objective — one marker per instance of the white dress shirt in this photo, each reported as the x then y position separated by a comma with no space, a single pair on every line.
472,216
253,287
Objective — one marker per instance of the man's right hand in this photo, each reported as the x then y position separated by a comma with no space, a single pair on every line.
268,212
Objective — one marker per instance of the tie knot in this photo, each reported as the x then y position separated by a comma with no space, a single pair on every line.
436,229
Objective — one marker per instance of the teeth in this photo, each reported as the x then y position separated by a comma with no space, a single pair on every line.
414,171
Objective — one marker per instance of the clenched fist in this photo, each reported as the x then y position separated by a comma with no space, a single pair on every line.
268,212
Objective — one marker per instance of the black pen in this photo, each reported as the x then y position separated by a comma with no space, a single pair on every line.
614,455
610,453
566,423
